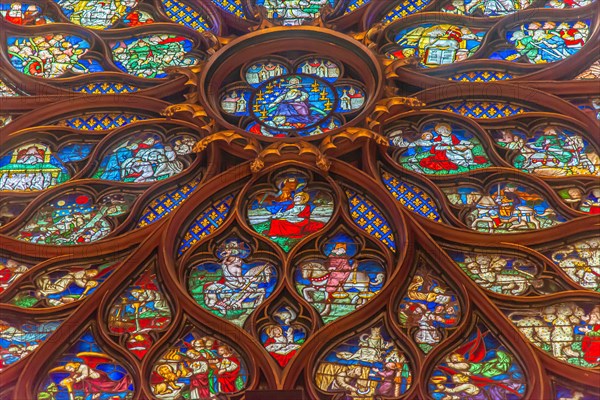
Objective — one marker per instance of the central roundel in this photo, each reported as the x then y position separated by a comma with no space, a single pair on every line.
298,83
294,103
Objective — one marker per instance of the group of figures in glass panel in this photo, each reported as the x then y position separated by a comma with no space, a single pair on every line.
366,246
535,42
309,98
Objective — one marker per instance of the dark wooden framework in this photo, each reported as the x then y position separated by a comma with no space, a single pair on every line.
232,161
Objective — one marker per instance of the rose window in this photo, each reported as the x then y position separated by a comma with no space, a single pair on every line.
299,199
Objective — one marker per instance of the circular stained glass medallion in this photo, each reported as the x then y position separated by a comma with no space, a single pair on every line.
293,102
294,88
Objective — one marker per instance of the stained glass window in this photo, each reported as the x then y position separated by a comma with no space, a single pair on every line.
328,199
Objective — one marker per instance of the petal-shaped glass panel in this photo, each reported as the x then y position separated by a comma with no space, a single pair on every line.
504,208
260,72
86,371
429,309
23,13
236,102
487,8
75,218
215,368
340,280
350,98
568,331
63,286
438,44
439,149
481,367
139,313
48,56
32,167
10,271
365,365
233,286
289,215
145,157
283,338
19,339
580,260
96,14
149,56
290,13
541,42
321,67
551,151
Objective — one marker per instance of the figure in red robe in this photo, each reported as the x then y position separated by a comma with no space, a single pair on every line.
339,268
199,379
84,376
228,370
591,341
449,152
281,347
294,222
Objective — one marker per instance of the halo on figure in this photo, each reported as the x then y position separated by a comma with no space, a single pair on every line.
304,197
269,330
294,82
338,241
233,248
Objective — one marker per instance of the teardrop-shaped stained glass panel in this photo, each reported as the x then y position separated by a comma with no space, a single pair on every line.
215,369
480,367
365,365
234,284
85,370
340,279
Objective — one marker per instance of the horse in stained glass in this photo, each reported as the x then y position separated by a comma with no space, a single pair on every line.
507,208
339,284
233,288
